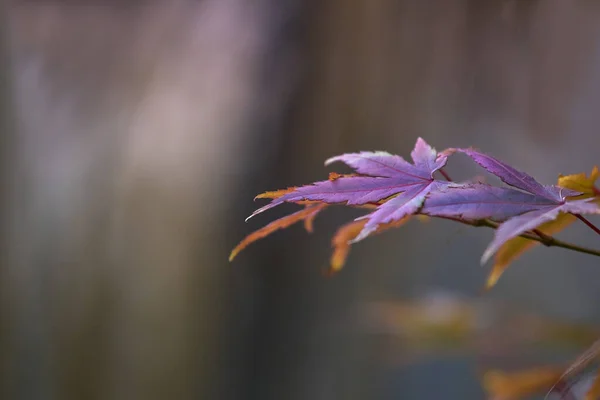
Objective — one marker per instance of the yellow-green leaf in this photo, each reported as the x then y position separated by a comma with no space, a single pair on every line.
580,182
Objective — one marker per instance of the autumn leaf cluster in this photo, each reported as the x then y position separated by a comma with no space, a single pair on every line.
524,212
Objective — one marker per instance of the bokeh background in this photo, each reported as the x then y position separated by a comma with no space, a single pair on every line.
136,133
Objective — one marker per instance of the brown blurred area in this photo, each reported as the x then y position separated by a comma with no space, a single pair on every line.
135,135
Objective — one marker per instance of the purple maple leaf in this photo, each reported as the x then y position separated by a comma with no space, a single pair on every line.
530,218
515,178
480,201
382,175
401,188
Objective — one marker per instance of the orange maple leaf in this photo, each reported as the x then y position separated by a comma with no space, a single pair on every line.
581,363
307,215
346,233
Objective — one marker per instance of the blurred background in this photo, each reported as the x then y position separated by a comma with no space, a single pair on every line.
135,135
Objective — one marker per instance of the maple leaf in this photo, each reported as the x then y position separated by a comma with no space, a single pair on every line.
307,215
513,248
342,240
581,182
555,196
341,243
381,176
478,201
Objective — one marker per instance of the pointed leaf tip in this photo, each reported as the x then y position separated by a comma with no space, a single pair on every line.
307,215
341,243
274,194
343,240
383,178
507,173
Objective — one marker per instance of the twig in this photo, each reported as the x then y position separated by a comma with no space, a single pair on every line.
546,240
445,175
542,235
588,223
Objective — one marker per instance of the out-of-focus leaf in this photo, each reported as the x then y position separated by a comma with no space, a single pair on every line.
342,239
580,182
514,248
594,392
581,362
307,215
544,379
423,218
341,243
310,219
487,327
521,384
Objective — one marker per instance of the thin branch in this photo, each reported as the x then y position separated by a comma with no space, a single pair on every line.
542,235
445,175
588,223
546,240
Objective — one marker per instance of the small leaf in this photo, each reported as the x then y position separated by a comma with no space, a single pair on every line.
343,239
581,183
520,384
580,362
341,243
310,219
594,392
307,214
514,248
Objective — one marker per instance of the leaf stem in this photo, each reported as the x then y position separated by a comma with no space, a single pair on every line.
541,234
544,239
445,175
588,223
